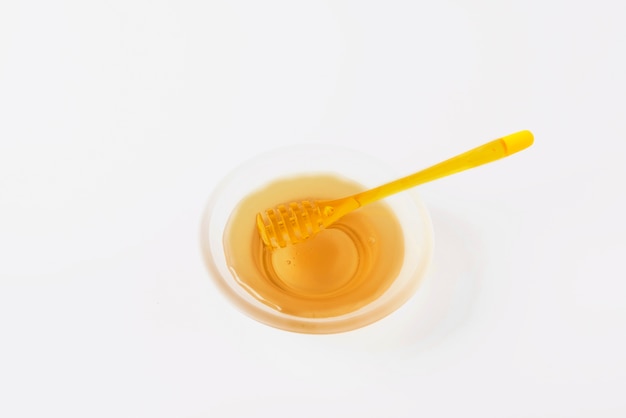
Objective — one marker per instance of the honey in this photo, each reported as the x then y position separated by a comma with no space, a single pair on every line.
339,270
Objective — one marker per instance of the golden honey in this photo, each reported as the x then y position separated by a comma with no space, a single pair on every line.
339,270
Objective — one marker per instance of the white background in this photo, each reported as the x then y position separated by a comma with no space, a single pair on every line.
118,118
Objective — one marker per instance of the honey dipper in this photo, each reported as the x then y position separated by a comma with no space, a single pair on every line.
294,222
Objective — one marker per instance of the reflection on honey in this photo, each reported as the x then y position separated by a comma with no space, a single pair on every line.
338,271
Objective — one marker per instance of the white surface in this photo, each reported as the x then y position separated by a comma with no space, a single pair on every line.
117,119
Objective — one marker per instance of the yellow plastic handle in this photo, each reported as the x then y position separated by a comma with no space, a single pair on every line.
491,151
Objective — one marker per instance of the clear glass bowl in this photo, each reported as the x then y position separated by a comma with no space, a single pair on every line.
316,159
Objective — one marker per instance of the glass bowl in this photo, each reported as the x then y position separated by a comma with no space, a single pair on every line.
289,162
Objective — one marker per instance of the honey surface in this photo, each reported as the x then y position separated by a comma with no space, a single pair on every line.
338,271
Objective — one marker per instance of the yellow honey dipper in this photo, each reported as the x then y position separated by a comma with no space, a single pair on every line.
295,222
